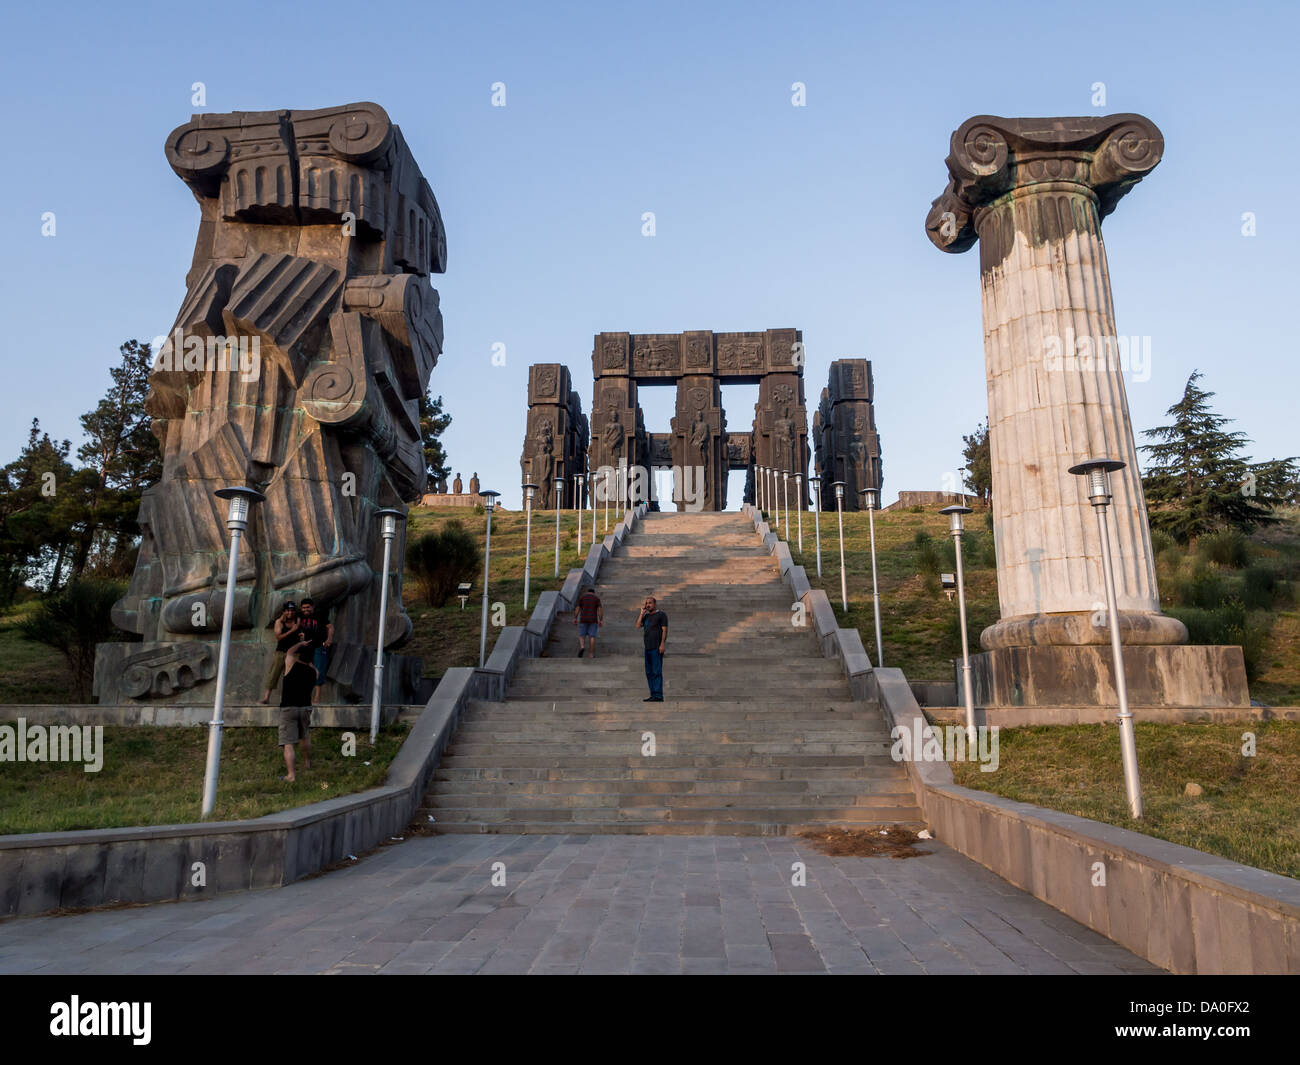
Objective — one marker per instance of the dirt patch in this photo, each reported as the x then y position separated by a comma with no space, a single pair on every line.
865,843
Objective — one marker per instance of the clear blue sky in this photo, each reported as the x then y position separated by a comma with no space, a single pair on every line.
767,215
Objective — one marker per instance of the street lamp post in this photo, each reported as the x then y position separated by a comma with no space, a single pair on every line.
577,505
955,523
1098,472
798,506
839,509
776,493
869,500
591,498
240,498
529,489
815,486
390,516
758,487
559,503
785,496
489,503
608,493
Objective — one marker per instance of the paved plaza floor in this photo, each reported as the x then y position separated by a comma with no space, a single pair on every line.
589,904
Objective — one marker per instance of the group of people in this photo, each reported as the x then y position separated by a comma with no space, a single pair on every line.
589,615
302,649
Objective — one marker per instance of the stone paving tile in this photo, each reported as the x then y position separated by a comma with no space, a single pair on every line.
600,905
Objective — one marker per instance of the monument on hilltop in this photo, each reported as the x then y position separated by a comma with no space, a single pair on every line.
844,429
557,437
1032,193
698,363
296,364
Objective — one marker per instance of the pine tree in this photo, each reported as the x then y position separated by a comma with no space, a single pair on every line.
979,463
38,492
433,423
1197,480
122,458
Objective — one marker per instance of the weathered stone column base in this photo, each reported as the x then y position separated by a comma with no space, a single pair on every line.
1072,677
1082,629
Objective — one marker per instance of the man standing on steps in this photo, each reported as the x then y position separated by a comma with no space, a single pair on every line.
589,616
654,625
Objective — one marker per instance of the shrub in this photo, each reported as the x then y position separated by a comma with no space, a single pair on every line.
72,621
1161,541
441,560
1225,548
1226,624
1260,587
927,554
1203,590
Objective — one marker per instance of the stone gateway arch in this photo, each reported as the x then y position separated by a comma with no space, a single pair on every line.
699,363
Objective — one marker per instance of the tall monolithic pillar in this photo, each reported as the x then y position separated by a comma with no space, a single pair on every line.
1033,193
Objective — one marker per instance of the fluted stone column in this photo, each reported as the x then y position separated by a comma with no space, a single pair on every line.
1033,193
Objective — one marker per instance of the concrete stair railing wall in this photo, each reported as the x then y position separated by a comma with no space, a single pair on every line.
44,871
843,644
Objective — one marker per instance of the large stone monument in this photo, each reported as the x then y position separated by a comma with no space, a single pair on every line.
844,429
1032,192
296,366
699,444
556,440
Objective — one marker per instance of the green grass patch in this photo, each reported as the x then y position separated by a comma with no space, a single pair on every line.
154,776
1247,812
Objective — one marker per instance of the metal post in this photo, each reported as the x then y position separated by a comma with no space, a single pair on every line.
785,496
529,489
870,500
955,518
839,508
776,486
605,479
817,519
798,502
389,516
559,502
1098,473
591,498
489,502
577,505
236,521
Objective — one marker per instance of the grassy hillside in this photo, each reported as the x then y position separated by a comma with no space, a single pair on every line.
1226,588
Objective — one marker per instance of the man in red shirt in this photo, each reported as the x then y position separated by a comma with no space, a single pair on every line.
588,615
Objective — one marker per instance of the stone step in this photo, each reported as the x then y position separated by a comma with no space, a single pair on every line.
763,814
479,758
863,777
597,806
661,828
610,786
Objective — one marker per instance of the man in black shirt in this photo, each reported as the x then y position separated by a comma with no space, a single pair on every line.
320,634
295,705
653,624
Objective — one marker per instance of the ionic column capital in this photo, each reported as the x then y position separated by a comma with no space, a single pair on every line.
991,157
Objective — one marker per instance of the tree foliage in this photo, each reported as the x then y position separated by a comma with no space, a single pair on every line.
74,620
1197,480
979,465
441,560
433,423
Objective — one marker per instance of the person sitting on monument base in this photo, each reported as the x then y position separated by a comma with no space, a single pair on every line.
286,635
589,616
295,706
654,625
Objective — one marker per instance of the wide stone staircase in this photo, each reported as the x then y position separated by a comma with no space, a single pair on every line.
758,734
